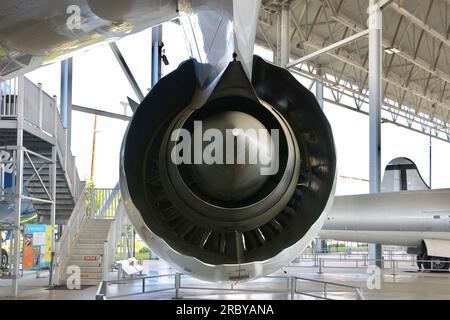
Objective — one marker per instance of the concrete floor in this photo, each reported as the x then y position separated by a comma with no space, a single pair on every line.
405,284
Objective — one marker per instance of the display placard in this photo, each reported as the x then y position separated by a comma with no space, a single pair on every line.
37,239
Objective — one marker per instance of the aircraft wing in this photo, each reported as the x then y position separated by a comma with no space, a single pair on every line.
37,32
33,33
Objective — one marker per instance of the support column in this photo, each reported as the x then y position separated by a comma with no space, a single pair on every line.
285,41
66,97
18,186
156,54
276,53
318,248
431,159
156,76
319,87
2,186
375,24
126,70
53,168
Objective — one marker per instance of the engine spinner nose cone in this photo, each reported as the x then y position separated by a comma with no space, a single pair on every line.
245,149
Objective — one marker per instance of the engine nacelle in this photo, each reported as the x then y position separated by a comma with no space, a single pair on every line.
202,206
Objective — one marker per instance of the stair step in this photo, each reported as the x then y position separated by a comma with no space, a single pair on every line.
59,213
91,241
87,275
45,212
42,172
88,245
60,194
98,228
63,196
90,282
59,208
62,200
38,184
83,263
44,177
86,282
38,164
96,231
91,271
104,224
87,251
93,235
93,221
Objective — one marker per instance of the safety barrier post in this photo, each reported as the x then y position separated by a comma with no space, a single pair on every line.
177,285
92,207
293,287
320,265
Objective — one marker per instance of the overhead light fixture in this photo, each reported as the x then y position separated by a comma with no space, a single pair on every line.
391,50
338,87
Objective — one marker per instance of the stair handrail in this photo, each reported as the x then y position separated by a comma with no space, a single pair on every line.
114,236
109,202
64,245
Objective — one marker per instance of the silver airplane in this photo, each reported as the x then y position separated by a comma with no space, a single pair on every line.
406,213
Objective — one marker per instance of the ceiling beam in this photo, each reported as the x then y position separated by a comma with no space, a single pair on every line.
352,61
101,113
415,118
355,26
421,24
386,43
331,47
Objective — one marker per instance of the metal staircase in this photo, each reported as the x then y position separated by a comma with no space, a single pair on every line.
92,219
91,236
64,199
42,130
88,251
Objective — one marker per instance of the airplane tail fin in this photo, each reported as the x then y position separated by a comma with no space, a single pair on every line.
401,174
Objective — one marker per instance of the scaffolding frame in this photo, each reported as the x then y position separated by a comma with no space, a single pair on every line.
20,154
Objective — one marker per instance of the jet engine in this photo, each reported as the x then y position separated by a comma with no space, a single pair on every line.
228,220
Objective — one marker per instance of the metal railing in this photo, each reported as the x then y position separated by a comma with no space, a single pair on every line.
359,292
68,236
92,201
291,288
391,261
103,287
41,113
8,98
102,202
114,236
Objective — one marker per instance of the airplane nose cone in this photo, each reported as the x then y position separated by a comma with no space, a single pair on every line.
236,174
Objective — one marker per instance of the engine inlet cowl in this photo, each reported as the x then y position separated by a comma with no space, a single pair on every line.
228,184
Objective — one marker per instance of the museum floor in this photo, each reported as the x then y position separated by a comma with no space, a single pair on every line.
404,284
